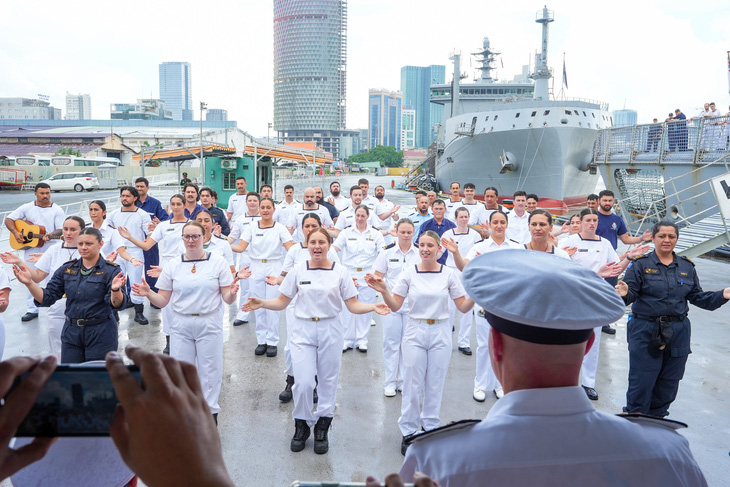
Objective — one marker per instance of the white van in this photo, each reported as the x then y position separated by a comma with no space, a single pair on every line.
77,181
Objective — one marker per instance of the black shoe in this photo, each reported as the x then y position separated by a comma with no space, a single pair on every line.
321,444
301,433
286,394
608,330
239,322
591,393
215,418
28,317
260,349
465,350
166,350
271,350
139,315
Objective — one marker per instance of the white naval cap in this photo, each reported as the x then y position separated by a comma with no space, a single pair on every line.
539,297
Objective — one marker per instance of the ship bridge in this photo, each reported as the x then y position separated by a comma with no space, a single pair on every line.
677,171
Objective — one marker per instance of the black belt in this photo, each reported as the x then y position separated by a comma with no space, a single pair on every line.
87,321
665,319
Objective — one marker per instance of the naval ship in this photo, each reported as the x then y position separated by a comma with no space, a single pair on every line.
513,136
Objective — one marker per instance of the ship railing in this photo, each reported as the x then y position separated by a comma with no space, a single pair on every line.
661,208
695,140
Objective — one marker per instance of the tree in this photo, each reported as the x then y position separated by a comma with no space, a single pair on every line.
67,151
386,155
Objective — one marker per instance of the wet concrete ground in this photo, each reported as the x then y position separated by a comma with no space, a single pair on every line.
256,428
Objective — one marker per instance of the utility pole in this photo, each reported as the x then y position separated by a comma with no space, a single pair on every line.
203,106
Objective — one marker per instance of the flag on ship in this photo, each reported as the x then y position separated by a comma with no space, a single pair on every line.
565,74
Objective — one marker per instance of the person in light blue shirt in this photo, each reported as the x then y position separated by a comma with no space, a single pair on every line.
422,213
438,224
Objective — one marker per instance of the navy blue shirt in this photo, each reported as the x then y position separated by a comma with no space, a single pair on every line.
196,210
87,296
219,217
610,227
154,208
439,228
660,290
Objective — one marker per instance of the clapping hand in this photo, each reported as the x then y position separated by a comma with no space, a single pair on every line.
154,271
141,289
119,281
622,288
245,273
252,304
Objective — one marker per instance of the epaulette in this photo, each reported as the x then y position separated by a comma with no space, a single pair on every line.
112,263
515,241
687,259
443,430
653,420
71,261
348,226
647,255
389,246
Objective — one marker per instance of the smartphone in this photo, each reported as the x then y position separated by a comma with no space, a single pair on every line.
77,400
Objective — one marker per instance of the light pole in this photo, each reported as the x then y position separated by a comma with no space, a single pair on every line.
268,137
203,106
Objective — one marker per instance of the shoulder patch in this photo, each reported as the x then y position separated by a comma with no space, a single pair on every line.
654,420
647,255
114,264
70,261
389,246
687,259
443,430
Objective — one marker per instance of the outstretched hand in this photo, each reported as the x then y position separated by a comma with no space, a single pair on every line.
154,271
622,288
119,281
245,273
382,309
252,304
22,274
376,283
141,289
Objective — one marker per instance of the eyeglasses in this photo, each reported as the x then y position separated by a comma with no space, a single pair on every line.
193,238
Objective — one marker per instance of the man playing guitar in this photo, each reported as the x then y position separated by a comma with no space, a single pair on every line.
39,212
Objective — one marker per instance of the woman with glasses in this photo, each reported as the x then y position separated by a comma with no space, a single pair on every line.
195,285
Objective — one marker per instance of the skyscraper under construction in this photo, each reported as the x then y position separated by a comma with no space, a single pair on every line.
310,72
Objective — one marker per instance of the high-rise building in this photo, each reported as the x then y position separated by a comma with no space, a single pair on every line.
28,109
624,118
176,85
216,115
408,129
78,107
144,109
415,85
384,118
310,76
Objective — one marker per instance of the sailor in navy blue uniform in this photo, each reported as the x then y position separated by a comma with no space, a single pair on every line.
93,288
660,284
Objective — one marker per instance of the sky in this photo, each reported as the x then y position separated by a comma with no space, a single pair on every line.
648,55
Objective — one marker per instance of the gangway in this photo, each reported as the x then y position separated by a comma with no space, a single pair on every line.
703,236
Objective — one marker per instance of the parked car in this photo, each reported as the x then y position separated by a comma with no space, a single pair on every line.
77,181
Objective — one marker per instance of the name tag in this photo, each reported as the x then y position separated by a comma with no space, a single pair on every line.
259,234
303,283
582,250
682,273
651,271
393,260
170,229
352,239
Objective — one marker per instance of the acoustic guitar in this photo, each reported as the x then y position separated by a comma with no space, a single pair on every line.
32,235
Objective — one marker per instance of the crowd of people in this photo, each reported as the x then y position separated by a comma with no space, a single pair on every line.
325,261
715,135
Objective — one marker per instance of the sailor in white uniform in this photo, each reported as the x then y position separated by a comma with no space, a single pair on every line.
428,286
519,219
336,198
195,285
320,287
545,430
347,216
264,239
397,256
360,245
310,206
465,238
484,379
251,215
297,253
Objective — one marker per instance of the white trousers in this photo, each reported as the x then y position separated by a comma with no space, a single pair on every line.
464,321
134,273
244,286
289,316
316,350
30,306
267,321
484,378
166,312
393,326
426,356
590,361
56,318
199,341
358,326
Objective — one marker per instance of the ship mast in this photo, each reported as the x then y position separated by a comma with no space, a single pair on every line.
486,57
542,73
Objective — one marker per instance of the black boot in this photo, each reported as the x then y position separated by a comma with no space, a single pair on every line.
166,350
315,396
139,315
321,444
286,394
301,433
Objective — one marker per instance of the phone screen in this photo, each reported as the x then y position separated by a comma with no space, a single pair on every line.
77,400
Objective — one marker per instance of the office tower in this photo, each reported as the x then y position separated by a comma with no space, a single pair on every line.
384,118
28,109
415,86
408,129
78,107
216,115
176,89
624,118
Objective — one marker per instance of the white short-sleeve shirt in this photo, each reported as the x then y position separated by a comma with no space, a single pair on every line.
475,211
371,202
518,228
111,238
465,241
199,291
320,292
359,249
347,219
168,236
299,253
298,215
51,217
451,207
555,251
236,205
265,243
55,257
489,245
135,221
383,206
341,202
241,223
429,292
392,261
284,213
591,253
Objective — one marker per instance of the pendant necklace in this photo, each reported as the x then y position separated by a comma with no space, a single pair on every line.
193,271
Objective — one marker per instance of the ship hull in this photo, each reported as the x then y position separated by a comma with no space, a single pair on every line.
551,162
